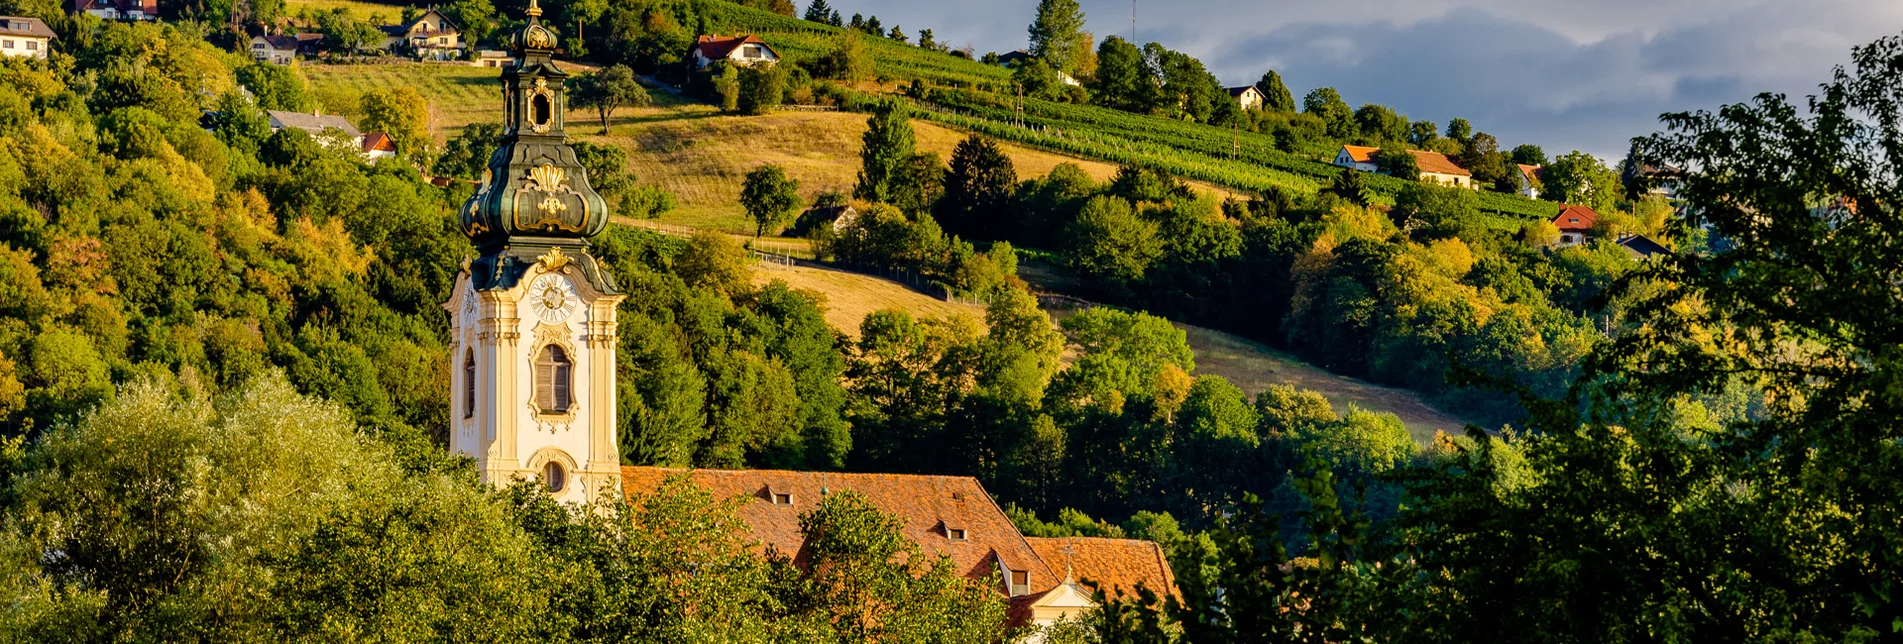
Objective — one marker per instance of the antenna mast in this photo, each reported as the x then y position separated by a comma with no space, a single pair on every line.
1133,22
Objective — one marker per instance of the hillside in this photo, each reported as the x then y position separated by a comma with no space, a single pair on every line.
690,148
1251,366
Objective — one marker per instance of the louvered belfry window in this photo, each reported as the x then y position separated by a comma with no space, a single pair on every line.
553,373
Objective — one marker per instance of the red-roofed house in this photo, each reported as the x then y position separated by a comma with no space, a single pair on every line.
951,516
377,145
1575,225
739,50
1530,179
1437,168
1359,157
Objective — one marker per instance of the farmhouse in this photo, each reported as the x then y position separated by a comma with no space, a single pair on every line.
430,36
1247,97
377,145
1575,225
1359,157
1437,168
116,9
745,50
281,50
1530,179
26,37
950,516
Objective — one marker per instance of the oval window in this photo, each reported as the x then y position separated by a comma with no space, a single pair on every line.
554,477
540,110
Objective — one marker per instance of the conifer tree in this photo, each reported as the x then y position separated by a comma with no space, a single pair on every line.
1275,94
819,12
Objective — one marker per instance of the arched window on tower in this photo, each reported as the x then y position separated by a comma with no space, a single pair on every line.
553,372
469,384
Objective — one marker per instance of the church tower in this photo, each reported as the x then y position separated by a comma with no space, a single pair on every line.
533,316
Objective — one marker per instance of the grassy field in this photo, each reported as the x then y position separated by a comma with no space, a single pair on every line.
381,13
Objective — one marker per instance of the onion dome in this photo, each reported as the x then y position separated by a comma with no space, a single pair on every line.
534,196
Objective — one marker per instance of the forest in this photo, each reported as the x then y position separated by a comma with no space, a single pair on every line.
223,366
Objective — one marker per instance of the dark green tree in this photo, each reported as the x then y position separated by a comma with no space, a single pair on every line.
1275,94
885,151
978,189
770,197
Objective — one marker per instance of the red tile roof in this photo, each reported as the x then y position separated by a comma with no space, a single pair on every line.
1531,171
1115,565
1576,219
1437,163
378,141
929,506
718,48
1361,153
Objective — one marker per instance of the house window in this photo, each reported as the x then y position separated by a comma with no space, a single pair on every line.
554,477
751,51
32,45
782,499
1020,578
955,534
6,43
553,372
469,384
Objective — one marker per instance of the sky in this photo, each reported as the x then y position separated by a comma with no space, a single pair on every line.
1564,74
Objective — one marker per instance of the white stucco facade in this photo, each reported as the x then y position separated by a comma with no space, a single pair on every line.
503,332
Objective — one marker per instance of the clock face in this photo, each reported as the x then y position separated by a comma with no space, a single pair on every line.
553,298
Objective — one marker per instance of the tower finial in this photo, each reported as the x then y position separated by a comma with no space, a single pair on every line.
534,9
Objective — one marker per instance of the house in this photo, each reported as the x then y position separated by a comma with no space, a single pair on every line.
1643,247
1247,97
116,9
950,516
1530,179
25,37
281,50
492,58
1014,57
1575,224
740,50
377,145
1359,157
1437,168
430,36
318,125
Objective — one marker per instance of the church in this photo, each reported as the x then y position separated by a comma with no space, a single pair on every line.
532,386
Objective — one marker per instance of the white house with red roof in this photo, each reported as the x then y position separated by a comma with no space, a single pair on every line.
745,50
1575,224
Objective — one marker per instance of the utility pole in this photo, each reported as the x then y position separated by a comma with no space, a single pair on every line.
1235,128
